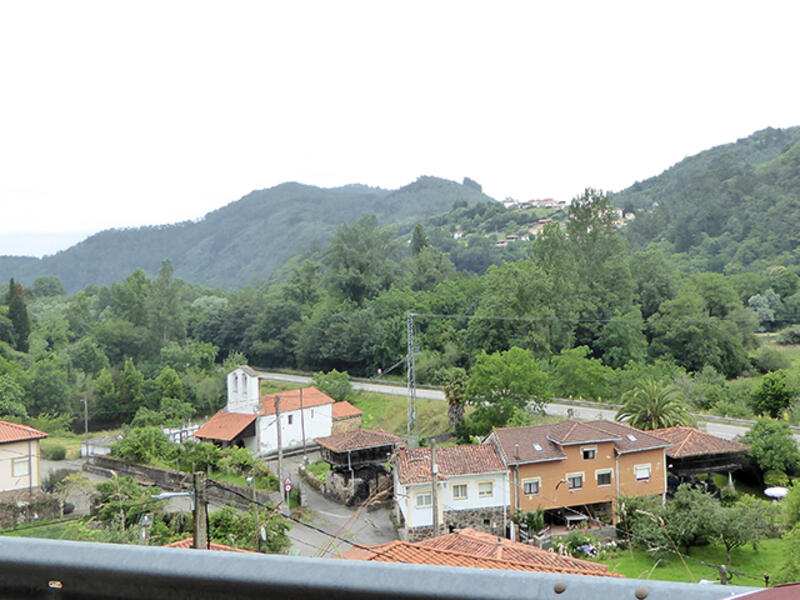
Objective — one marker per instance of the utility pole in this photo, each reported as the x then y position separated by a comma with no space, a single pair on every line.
200,511
303,427
411,382
280,445
434,495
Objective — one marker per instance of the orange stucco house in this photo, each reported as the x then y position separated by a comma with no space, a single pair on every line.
570,469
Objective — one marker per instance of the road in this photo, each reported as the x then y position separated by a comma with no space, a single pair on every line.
727,431
359,526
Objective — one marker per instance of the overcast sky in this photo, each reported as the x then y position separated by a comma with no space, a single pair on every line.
117,114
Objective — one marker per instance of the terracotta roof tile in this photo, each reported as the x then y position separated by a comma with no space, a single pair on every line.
539,443
690,441
224,426
290,400
407,552
344,410
414,466
472,541
356,440
643,440
188,543
14,432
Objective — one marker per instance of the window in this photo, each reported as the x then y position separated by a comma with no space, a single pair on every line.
485,489
575,481
235,382
589,452
312,413
460,491
289,419
424,499
603,477
19,467
530,487
642,472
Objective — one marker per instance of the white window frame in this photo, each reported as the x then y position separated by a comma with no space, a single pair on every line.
458,486
418,496
647,466
483,493
599,472
537,481
20,467
585,449
569,476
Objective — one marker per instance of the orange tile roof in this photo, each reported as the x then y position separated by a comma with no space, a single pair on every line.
343,410
224,426
472,541
355,440
14,432
408,552
188,543
414,466
290,400
645,440
569,432
690,441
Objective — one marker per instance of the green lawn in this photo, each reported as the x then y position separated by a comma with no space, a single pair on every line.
745,560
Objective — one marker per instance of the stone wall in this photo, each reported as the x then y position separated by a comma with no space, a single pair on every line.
365,485
25,509
172,480
457,519
346,424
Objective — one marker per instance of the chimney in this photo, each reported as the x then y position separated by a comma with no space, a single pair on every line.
516,451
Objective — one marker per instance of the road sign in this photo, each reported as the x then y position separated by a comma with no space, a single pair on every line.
287,485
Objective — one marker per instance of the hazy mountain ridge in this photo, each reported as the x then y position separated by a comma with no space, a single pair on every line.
242,242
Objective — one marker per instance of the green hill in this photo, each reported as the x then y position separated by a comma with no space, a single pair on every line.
243,242
731,208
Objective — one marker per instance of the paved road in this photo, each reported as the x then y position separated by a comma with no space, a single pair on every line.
727,431
362,527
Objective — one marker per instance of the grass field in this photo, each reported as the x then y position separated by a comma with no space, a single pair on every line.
745,560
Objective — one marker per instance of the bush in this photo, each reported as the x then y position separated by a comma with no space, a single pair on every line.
769,359
335,384
776,478
790,335
145,445
53,451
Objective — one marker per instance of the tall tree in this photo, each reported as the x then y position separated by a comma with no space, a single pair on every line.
419,239
454,381
18,314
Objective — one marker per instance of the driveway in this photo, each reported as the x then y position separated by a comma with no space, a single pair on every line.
349,523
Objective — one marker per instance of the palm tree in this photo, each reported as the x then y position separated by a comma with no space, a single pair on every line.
653,405
454,381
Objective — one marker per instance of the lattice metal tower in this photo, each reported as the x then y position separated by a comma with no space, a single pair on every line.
411,380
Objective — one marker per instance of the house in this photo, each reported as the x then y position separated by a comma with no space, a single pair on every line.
693,451
471,548
571,469
257,422
19,459
188,544
471,490
358,461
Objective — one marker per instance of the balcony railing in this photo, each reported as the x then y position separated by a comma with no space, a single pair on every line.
56,569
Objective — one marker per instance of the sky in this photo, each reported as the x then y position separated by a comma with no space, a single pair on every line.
121,114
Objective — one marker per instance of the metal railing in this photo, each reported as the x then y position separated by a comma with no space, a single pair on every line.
32,568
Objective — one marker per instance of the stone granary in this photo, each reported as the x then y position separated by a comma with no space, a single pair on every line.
358,461
694,451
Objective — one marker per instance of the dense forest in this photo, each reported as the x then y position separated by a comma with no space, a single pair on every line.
245,241
592,315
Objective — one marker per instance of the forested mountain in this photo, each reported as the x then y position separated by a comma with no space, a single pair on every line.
244,241
732,208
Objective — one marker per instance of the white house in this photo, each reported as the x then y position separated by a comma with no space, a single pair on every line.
472,490
252,421
19,459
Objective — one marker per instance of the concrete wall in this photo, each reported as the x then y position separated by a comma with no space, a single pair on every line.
318,423
629,486
25,455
